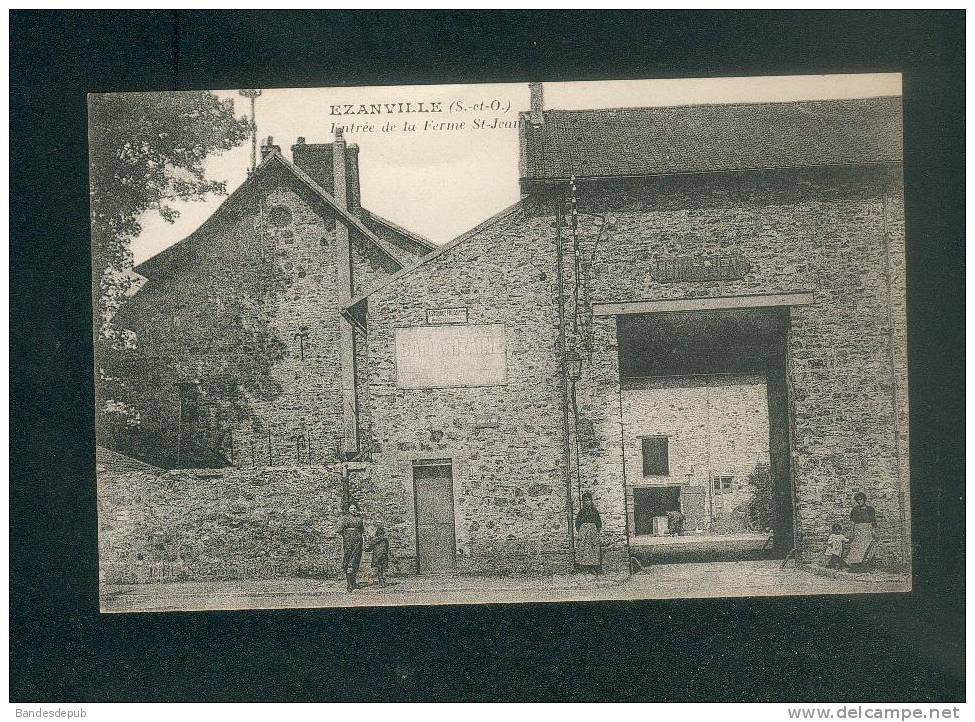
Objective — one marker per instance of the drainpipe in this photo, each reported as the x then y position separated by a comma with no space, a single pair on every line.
346,491
343,252
564,374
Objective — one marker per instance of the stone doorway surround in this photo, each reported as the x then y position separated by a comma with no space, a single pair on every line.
779,394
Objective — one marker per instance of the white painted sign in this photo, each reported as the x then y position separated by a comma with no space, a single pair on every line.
430,357
439,316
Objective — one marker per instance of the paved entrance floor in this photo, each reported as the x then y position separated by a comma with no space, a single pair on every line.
663,581
746,538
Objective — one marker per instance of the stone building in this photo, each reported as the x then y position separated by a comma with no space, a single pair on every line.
250,359
701,427
695,308
692,308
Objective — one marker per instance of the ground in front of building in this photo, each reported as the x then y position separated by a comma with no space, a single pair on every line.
663,581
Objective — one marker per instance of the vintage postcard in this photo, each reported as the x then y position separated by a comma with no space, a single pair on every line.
530,342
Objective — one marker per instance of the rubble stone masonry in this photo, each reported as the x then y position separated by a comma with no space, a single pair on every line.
505,441
831,233
521,450
209,524
835,233
251,301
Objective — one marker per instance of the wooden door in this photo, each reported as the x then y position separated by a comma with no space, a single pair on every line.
693,501
435,541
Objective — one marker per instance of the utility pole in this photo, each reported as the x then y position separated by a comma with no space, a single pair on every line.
253,94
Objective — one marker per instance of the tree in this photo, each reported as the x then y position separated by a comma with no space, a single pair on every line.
761,508
146,150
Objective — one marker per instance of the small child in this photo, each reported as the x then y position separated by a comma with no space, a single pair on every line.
834,548
379,545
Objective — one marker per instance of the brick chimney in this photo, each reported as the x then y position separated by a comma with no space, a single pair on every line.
316,159
537,116
268,147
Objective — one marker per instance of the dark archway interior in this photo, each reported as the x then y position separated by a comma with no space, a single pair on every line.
752,340
700,342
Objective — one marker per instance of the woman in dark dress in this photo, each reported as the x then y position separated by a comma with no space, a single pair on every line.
588,525
351,529
863,545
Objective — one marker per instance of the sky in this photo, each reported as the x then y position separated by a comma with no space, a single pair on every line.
440,181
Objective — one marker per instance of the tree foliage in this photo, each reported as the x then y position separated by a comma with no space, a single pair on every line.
761,508
146,150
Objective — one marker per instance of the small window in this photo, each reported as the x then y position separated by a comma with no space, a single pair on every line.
722,484
656,459
279,216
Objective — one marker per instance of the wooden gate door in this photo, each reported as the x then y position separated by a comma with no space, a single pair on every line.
435,542
693,501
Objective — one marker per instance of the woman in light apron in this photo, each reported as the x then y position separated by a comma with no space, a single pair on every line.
589,554
863,544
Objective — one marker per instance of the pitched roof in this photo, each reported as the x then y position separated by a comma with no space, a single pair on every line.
109,460
441,250
425,243
708,138
157,264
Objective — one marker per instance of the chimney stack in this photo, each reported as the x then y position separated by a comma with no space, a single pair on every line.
316,159
268,147
537,116
352,171
339,179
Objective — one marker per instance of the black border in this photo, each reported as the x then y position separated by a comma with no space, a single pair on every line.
894,648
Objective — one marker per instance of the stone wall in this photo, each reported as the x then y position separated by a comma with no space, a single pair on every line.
506,441
897,307
834,233
715,425
831,233
250,302
227,524
596,441
521,453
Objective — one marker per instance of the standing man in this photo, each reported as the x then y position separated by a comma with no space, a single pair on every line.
351,529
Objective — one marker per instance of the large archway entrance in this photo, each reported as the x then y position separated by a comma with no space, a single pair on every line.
705,417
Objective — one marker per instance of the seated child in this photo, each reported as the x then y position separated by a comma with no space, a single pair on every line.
379,545
834,548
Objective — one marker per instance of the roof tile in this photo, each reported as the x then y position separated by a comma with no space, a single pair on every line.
707,138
